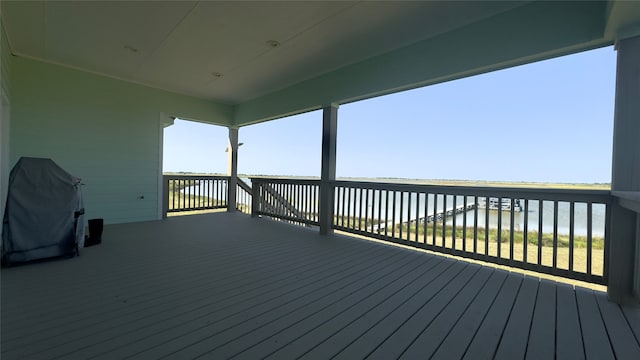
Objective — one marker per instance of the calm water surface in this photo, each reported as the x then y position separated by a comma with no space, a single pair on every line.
379,208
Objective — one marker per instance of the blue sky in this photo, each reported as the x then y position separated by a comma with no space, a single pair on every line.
550,121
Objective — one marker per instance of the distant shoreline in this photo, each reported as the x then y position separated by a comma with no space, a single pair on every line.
441,182
524,184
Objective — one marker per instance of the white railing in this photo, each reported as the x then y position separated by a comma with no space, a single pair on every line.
555,231
203,192
243,197
560,232
290,200
194,192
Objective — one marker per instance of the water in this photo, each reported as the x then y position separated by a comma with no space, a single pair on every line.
533,215
210,188
207,188
377,209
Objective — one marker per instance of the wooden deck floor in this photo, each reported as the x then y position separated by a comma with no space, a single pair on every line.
227,286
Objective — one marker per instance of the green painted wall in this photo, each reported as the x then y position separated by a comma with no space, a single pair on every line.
5,84
5,59
106,131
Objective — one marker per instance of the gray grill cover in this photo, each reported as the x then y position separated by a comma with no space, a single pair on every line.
44,203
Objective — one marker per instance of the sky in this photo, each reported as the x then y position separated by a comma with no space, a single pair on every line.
550,121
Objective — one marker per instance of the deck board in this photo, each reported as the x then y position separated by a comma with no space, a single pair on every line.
394,346
568,336
195,307
436,332
624,343
193,327
487,337
326,341
365,343
594,333
458,339
327,299
513,344
633,318
150,306
231,286
295,340
542,339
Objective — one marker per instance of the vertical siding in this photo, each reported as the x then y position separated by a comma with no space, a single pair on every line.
5,61
5,57
100,129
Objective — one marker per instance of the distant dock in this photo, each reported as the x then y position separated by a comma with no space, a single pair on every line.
429,219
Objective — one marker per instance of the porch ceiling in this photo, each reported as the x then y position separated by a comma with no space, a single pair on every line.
221,51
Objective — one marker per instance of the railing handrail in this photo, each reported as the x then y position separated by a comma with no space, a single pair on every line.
628,199
244,186
256,180
283,201
562,194
213,198
194,176
279,205
584,195
244,196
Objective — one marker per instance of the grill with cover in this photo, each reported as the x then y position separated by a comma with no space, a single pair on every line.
44,212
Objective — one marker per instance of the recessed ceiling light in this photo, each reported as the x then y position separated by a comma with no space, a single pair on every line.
273,43
131,48
217,74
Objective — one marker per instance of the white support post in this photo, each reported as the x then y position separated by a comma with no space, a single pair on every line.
622,258
232,170
328,171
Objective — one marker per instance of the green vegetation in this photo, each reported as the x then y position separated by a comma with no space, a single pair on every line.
518,236
502,249
178,200
579,242
351,222
183,201
177,185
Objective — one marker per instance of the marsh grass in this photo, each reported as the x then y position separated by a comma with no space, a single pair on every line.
506,245
538,246
178,200
533,237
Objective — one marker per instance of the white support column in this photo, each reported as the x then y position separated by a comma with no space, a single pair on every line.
622,252
232,169
328,171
